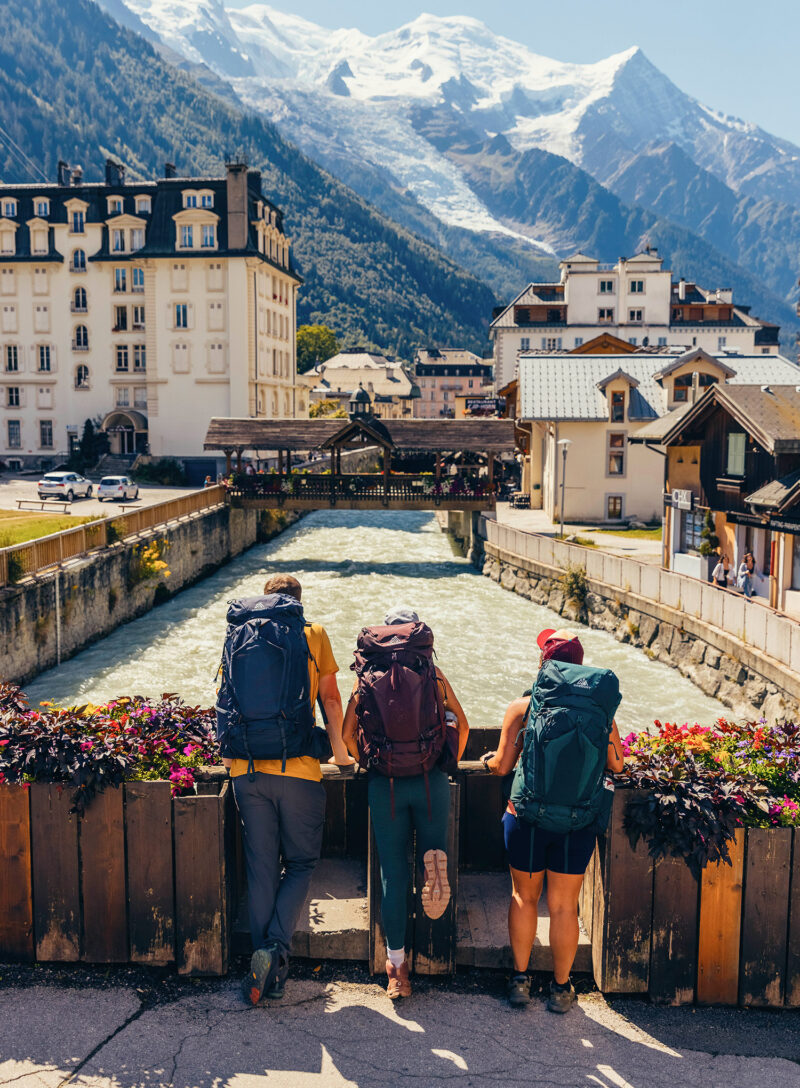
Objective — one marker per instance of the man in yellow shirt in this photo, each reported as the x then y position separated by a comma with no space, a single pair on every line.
282,811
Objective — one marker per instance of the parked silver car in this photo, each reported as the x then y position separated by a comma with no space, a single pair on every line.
117,487
64,485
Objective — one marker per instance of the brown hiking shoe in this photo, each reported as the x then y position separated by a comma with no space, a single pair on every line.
435,894
399,984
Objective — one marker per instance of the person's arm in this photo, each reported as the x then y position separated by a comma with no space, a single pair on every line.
332,701
504,759
452,703
349,726
616,760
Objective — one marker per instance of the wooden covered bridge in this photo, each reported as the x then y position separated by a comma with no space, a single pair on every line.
464,486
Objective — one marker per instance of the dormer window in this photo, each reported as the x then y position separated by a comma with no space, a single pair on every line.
206,200
39,240
190,200
618,406
42,206
187,236
137,238
118,241
9,208
115,205
78,222
209,236
144,205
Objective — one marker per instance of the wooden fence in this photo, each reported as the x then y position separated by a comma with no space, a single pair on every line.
733,937
19,560
759,627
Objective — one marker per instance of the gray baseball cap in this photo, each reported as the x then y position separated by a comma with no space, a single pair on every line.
401,614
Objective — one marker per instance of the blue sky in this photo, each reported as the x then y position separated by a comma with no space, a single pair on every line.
734,55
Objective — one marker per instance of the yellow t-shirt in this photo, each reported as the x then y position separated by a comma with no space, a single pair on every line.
306,767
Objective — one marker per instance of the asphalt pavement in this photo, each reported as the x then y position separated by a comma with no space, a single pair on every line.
336,1027
25,487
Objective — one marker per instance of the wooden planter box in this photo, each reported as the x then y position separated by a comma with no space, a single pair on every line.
140,878
731,938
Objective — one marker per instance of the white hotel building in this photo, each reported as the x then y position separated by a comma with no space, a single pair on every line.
148,306
635,300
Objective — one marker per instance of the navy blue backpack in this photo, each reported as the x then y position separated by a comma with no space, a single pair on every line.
263,706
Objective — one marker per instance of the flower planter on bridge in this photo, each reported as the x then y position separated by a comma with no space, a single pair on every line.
733,937
307,491
140,877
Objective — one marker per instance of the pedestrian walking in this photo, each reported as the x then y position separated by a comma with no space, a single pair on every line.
274,667
744,581
406,726
561,740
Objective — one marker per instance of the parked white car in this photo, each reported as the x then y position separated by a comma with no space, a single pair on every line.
64,485
117,487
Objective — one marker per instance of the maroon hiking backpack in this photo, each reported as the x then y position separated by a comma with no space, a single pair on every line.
400,710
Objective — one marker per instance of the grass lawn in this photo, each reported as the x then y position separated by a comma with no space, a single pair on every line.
643,534
17,526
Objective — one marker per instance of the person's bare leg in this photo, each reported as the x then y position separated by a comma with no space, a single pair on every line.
562,904
523,915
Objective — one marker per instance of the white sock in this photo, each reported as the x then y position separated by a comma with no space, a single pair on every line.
396,956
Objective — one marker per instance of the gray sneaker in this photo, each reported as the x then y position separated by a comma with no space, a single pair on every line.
519,990
262,966
561,998
276,991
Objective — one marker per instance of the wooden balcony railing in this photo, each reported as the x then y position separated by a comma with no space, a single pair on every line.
372,487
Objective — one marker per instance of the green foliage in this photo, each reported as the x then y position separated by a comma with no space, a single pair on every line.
76,85
575,584
327,409
15,568
113,533
93,444
166,471
709,541
315,344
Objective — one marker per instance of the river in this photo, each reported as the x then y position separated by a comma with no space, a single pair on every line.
354,566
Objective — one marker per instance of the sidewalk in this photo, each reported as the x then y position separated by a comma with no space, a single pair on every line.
137,1029
646,550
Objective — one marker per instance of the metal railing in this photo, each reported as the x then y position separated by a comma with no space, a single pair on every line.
18,560
353,486
761,628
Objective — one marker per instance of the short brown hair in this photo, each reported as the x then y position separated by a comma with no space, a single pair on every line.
283,583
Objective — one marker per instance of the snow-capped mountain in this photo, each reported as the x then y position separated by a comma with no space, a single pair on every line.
396,113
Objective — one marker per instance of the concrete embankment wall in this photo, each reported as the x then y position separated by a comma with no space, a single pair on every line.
740,675
91,596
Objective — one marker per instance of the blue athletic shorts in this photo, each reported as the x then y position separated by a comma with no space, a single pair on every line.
548,847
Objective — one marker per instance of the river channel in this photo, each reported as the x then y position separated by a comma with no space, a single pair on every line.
354,566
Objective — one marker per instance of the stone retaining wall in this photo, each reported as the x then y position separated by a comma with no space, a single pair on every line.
747,681
93,595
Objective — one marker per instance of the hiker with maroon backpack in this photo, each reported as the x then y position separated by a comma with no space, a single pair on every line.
560,739
406,727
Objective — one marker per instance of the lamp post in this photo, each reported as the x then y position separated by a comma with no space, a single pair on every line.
565,444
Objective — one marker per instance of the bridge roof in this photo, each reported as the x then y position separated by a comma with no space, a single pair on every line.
478,435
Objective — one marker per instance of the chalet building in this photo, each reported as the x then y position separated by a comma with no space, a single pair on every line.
635,300
599,403
736,452
149,305
392,391
444,374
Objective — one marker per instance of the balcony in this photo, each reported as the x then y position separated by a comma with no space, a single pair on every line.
75,309
79,347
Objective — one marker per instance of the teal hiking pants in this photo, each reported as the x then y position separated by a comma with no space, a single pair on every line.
392,838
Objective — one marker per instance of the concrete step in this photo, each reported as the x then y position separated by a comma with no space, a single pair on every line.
482,920
334,923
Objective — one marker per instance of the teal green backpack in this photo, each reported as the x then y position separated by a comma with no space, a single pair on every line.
558,784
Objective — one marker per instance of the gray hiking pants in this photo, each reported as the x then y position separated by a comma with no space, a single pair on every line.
282,821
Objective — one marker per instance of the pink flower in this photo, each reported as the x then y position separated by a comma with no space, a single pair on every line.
86,745
187,751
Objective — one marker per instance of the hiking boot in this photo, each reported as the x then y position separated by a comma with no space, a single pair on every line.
399,984
561,998
278,987
435,894
262,966
519,990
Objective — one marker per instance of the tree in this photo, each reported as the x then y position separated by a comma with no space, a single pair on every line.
331,408
709,541
315,344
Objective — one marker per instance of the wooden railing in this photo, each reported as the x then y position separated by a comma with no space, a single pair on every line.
18,560
317,487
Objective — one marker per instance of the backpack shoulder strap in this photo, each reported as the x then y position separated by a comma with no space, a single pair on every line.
311,657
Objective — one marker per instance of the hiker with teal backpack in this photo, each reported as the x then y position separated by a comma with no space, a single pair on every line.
560,742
